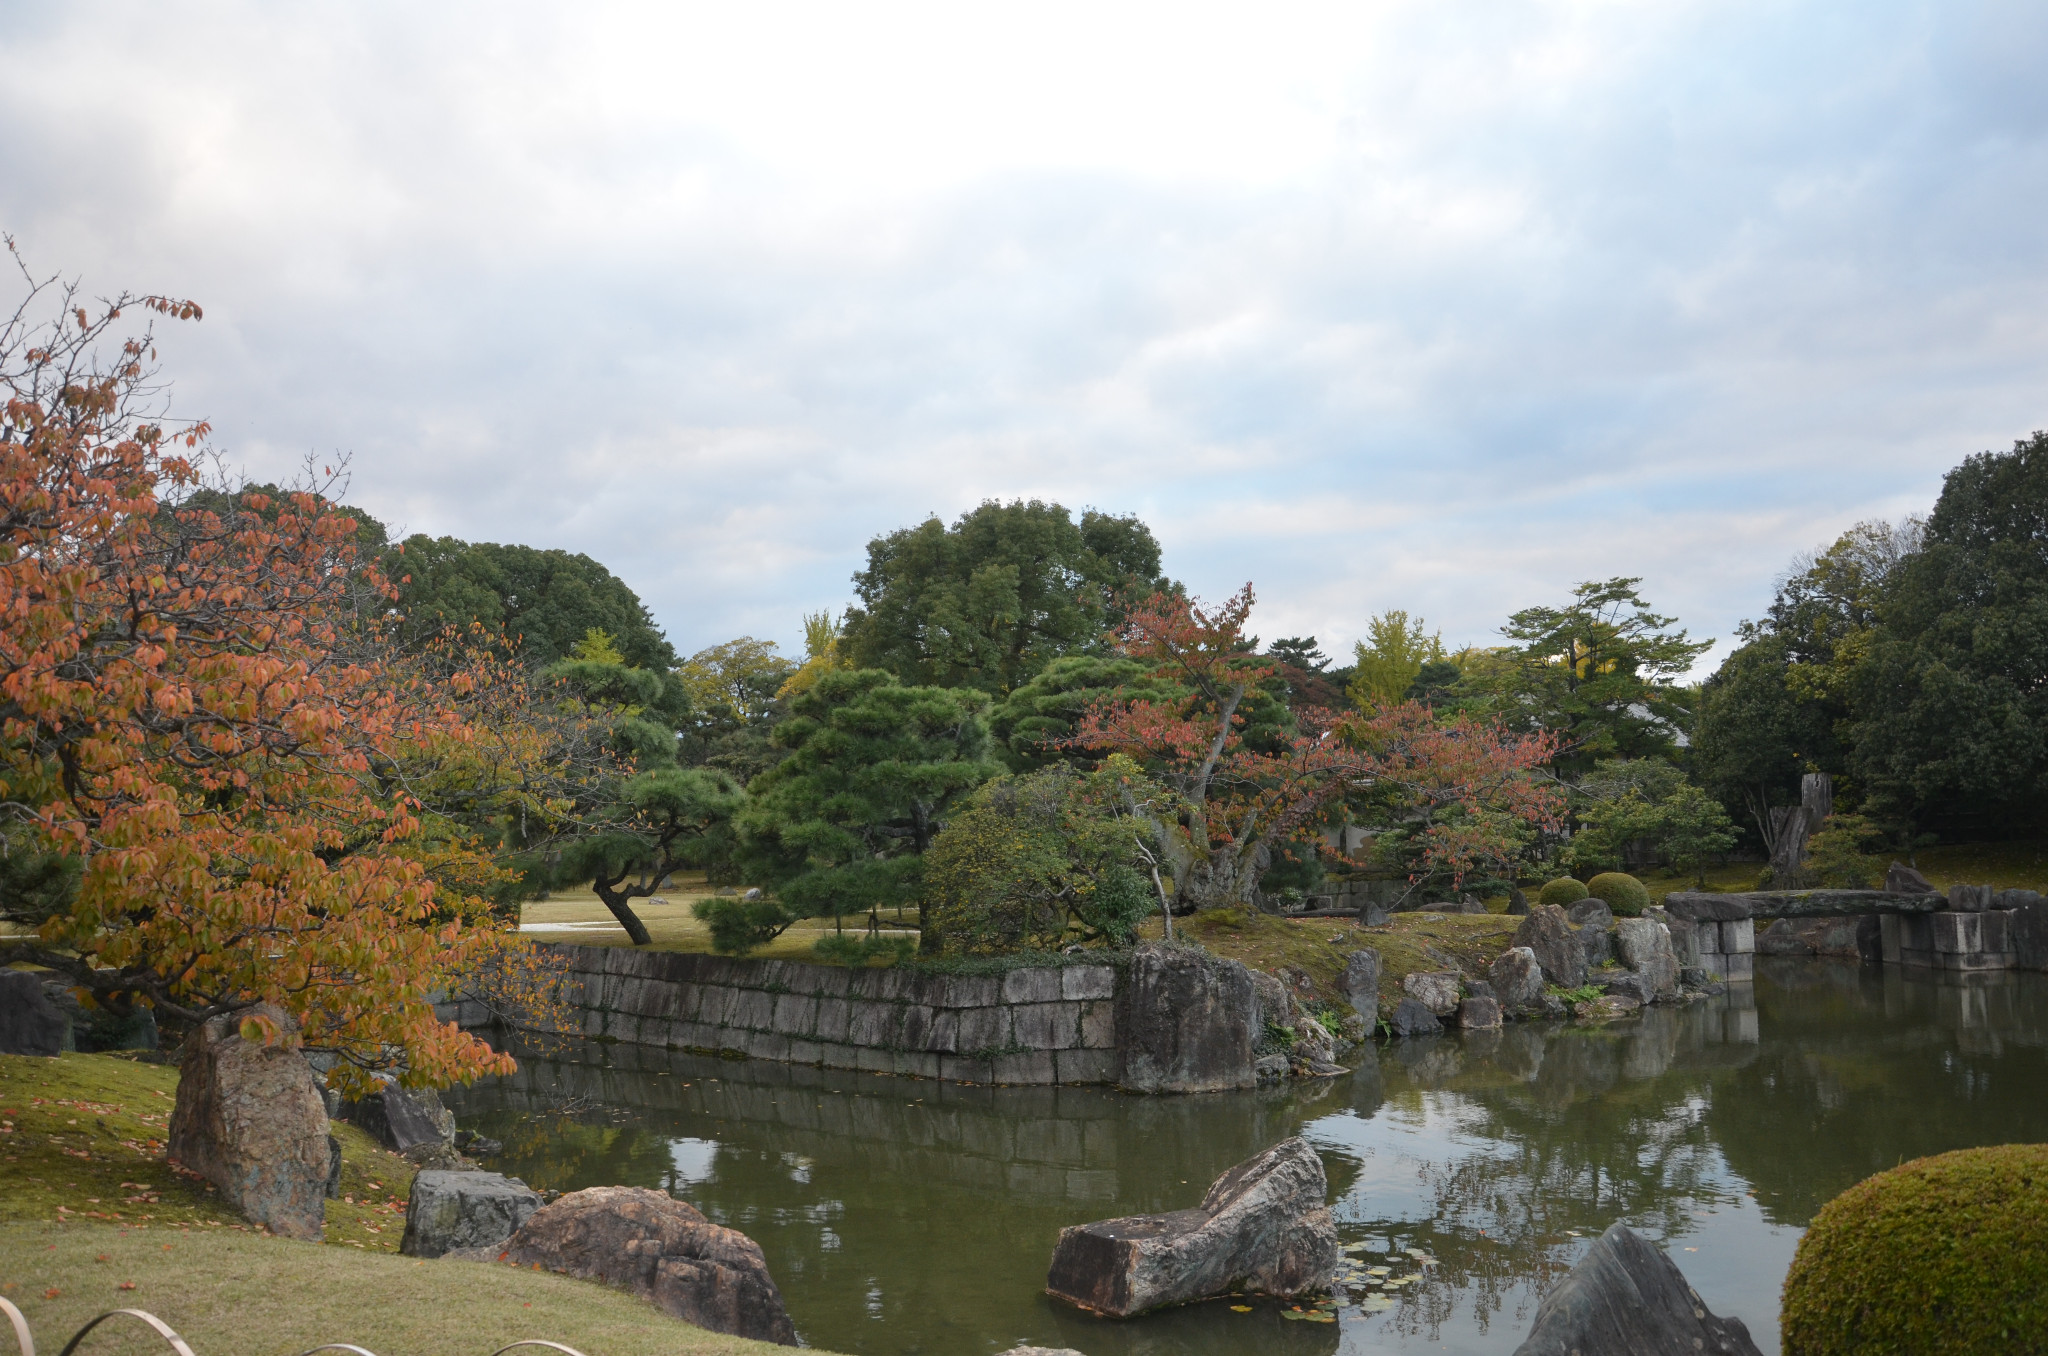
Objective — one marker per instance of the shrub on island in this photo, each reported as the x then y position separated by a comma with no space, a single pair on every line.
1563,892
1947,1254
1624,893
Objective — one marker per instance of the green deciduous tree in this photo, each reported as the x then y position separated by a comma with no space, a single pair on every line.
1049,857
1390,658
990,601
841,825
545,601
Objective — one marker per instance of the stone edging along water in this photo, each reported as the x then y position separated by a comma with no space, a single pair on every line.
1071,1024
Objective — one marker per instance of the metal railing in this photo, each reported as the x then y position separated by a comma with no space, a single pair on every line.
27,1343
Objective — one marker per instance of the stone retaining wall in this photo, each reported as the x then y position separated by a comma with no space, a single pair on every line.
1054,1025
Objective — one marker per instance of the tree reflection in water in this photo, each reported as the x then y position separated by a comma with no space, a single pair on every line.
917,1217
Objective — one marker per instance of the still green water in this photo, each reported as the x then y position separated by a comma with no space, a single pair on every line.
902,1216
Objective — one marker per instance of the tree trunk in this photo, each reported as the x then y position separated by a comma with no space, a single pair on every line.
622,909
1788,844
1817,798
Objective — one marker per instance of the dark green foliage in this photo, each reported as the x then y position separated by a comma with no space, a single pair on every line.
1563,892
1028,723
740,925
1755,737
1598,671
636,815
546,601
1836,856
1435,684
34,886
874,767
855,948
990,601
1952,713
1945,1254
1623,893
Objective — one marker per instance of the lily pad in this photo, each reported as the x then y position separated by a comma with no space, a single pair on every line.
1240,1308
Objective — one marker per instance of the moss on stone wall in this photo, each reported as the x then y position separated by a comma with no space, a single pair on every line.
1945,1254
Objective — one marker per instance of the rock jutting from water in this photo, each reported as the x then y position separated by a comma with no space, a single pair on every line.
1438,991
1263,1226
1626,1298
1517,979
1186,1020
663,1250
1361,983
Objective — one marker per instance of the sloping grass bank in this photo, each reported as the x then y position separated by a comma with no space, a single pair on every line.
241,1294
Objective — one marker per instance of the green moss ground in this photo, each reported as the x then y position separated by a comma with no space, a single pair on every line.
1412,943
242,1294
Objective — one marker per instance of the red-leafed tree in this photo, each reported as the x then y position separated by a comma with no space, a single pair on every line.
202,734
1467,783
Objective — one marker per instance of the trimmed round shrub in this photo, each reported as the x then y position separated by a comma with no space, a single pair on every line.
1945,1254
1624,893
1563,892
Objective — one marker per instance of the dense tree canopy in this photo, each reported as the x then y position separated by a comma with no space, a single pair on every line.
990,601
874,767
546,601
1951,722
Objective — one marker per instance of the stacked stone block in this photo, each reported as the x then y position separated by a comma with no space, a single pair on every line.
1726,947
1953,940
1052,1025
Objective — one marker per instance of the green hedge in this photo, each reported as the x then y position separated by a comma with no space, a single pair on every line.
1946,1254
1563,892
1624,893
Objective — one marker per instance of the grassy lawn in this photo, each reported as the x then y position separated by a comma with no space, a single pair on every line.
82,1138
579,916
88,1204
243,1294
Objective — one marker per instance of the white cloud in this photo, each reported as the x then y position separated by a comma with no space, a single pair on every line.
1444,306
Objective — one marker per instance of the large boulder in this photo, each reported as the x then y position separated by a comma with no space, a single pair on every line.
1479,1013
411,1121
1548,933
450,1210
1436,990
662,1250
30,1024
1361,982
1645,947
1517,979
1596,943
249,1119
1262,1227
1626,1298
1185,1022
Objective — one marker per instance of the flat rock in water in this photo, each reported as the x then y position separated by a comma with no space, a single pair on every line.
1626,1298
30,1024
1478,1014
662,1250
250,1119
1438,990
1412,1018
451,1210
1261,1227
1548,933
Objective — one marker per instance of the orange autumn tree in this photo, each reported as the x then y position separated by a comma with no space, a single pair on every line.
1469,782
196,721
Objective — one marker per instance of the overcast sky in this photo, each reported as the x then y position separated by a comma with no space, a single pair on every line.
1442,306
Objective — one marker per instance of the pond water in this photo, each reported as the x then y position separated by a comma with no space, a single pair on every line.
902,1216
